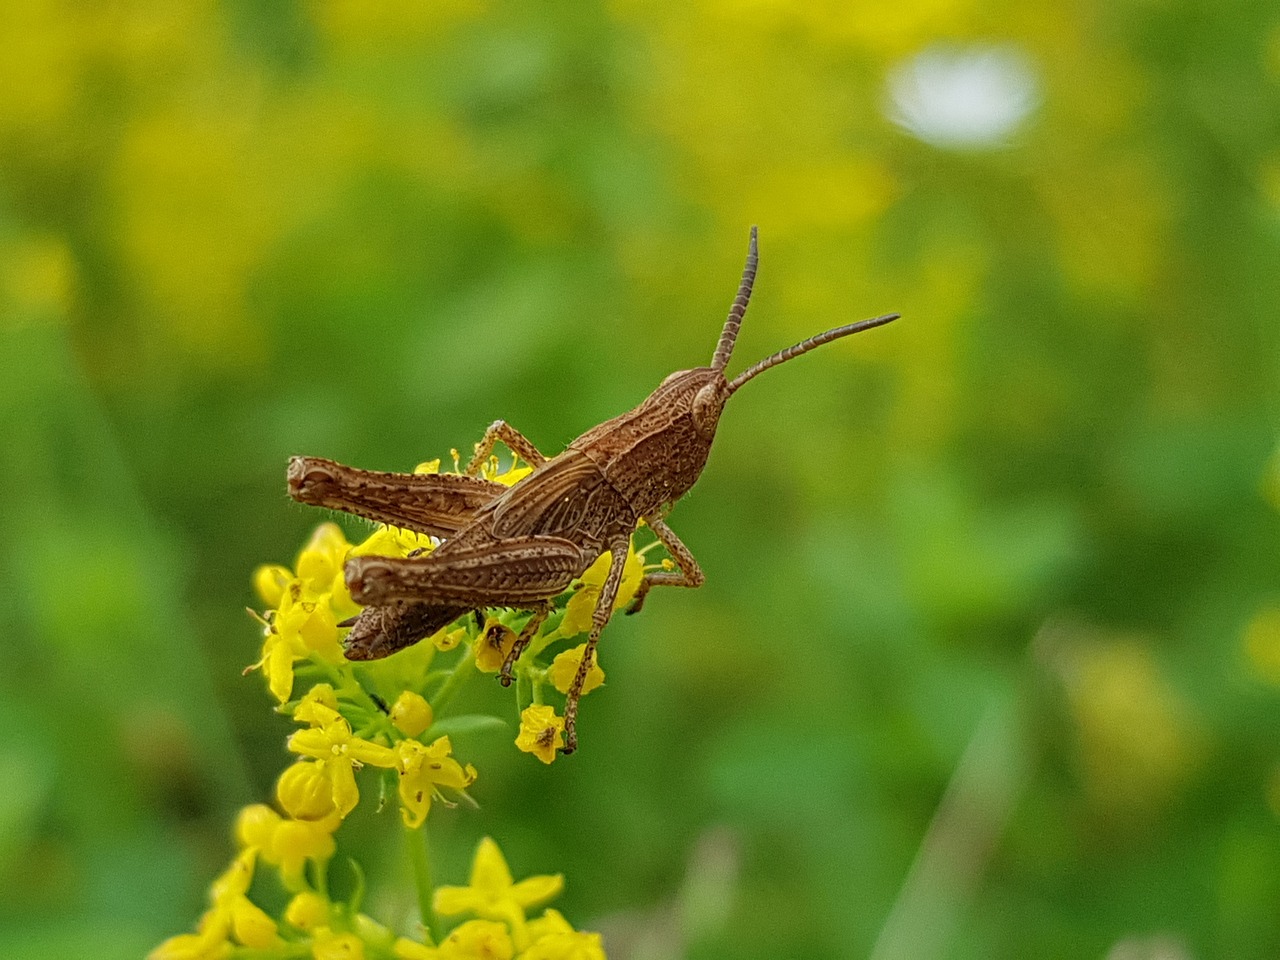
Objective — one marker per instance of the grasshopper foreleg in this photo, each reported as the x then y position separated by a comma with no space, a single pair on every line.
516,442
599,617
690,574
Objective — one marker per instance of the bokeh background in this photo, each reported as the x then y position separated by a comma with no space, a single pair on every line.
986,662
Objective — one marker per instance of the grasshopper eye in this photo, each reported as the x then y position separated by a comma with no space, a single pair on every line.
706,407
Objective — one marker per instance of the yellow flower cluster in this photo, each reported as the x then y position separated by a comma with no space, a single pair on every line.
346,724
308,605
501,929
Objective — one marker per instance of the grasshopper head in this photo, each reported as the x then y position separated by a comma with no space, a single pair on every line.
703,389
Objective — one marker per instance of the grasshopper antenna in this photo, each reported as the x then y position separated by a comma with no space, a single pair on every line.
730,332
782,356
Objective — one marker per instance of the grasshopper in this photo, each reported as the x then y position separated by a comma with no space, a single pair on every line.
522,546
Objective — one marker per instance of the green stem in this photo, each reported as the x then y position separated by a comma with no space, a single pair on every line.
542,641
463,669
417,841
321,871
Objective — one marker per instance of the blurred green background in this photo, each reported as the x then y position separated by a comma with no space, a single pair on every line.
986,661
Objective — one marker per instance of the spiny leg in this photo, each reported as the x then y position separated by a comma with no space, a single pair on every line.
527,632
516,441
690,574
599,617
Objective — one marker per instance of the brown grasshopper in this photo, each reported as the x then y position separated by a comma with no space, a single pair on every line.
522,546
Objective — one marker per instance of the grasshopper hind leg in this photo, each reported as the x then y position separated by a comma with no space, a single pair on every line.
380,631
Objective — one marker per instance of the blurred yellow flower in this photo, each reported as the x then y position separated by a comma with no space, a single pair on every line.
541,732
571,945
1271,475
406,949
37,280
208,943
307,910
1262,643
284,843
328,945
477,940
1136,740
492,895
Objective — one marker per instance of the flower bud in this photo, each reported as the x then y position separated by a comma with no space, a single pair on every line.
411,714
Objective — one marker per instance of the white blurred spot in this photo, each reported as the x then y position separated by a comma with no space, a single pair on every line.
1162,947
963,97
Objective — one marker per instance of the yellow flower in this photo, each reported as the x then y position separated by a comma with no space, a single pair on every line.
577,614
423,770
250,925
318,706
341,752
510,477
572,945
327,945
1262,643
493,645
565,667
302,624
406,949
446,639
411,714
209,944
307,621
491,894
255,825
477,940
278,656
541,732
321,560
551,922
270,582
307,911
306,791
393,542
284,843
